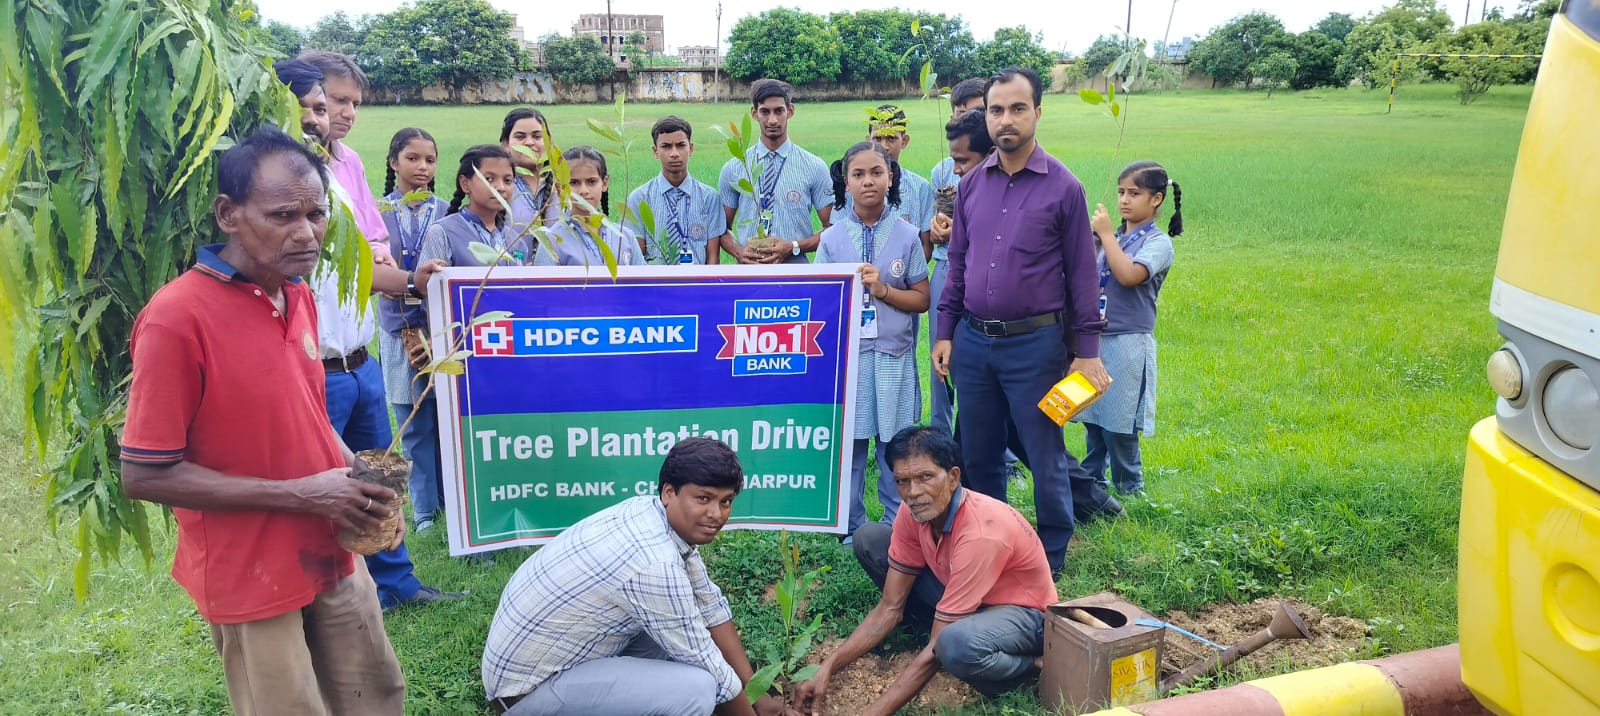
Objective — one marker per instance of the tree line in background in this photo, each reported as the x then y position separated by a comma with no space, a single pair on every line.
1255,50
455,42
447,42
870,46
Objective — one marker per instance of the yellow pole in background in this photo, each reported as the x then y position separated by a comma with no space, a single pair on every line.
1394,78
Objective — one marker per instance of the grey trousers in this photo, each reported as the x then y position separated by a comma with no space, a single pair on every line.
639,682
888,494
992,650
1119,451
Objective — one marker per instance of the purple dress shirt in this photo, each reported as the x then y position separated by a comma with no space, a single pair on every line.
1020,246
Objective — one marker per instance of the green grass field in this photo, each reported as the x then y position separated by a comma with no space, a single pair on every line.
1322,339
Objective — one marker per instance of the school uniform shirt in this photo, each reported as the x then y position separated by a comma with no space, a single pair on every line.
618,574
575,246
888,395
450,240
943,176
793,183
1128,346
530,204
408,228
690,213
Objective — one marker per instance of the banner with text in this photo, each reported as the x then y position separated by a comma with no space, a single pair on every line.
576,385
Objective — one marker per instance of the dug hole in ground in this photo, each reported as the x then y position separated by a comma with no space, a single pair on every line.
1333,640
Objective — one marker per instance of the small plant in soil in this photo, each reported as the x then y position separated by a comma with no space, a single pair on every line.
741,138
786,659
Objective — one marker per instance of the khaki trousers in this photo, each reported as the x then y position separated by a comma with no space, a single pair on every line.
330,658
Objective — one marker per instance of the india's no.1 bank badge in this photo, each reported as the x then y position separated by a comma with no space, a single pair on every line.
309,344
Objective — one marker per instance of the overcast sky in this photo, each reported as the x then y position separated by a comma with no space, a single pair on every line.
1067,24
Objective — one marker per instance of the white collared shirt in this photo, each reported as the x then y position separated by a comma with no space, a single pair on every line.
339,330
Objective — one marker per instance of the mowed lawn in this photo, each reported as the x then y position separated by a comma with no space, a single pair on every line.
1322,337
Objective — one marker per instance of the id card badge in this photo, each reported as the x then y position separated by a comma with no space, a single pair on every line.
413,301
869,321
1102,307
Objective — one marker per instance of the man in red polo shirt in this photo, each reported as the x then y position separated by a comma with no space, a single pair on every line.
969,561
226,424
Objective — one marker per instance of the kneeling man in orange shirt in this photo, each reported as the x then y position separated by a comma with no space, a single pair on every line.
970,563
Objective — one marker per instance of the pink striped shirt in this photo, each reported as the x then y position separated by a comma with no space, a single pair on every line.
352,177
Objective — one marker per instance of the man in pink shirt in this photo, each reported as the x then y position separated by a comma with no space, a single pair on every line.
970,562
356,402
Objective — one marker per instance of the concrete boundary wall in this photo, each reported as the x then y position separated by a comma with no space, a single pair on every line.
664,84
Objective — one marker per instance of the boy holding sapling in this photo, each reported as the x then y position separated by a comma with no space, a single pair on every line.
773,225
689,218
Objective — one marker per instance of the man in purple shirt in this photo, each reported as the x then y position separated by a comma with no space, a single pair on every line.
1022,269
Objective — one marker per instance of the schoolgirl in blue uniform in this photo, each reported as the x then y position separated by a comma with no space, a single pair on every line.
574,245
1134,260
894,278
533,196
412,162
477,214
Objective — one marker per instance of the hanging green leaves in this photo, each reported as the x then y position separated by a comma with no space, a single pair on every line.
104,208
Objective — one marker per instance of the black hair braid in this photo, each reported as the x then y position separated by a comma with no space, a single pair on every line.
836,171
1175,225
455,203
388,179
605,202
894,185
1152,177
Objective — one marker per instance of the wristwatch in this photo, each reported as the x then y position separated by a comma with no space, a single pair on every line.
795,248
411,286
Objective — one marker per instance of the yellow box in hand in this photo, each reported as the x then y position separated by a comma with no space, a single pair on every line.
1068,398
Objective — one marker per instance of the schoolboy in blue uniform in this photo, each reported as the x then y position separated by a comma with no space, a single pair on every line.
689,217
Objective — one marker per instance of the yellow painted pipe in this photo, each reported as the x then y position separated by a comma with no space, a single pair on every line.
1419,683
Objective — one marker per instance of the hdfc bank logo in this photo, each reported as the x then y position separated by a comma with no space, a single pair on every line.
492,338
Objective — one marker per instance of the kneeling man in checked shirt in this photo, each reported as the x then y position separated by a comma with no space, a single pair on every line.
617,614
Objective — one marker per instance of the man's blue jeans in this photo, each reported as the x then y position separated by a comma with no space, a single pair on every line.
992,650
360,415
1119,452
1005,376
421,440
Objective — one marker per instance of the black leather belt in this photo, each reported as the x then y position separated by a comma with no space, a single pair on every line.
346,364
504,703
1001,329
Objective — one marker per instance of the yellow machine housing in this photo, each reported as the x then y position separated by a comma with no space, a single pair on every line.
1529,576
